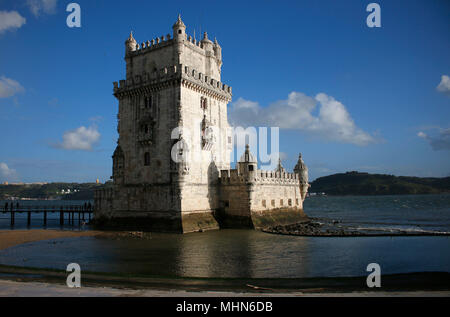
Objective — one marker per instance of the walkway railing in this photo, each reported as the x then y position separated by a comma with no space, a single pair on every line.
82,212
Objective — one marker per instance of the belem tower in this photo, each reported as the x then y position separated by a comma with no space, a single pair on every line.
171,167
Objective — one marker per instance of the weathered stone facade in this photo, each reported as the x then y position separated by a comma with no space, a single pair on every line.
171,167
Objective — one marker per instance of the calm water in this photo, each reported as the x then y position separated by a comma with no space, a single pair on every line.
414,213
248,253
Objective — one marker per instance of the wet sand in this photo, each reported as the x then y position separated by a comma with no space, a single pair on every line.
11,238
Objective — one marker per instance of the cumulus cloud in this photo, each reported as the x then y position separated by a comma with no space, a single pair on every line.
82,138
9,87
333,122
38,7
444,85
439,141
10,20
7,173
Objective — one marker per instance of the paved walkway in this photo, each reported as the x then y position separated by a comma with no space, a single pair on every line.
20,289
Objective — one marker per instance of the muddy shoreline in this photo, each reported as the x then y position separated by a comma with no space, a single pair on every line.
334,228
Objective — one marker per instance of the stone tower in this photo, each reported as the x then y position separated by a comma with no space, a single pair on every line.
172,125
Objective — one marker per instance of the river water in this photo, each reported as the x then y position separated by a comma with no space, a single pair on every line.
249,253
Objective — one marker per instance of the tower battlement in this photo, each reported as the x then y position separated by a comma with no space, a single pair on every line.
166,40
205,56
232,176
190,78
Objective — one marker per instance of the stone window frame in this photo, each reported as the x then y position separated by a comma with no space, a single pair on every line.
204,103
289,202
281,202
148,102
264,203
273,202
147,159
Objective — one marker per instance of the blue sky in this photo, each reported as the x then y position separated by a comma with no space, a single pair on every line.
347,96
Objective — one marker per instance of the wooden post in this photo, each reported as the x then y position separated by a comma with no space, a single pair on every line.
73,215
29,218
12,217
79,217
45,217
61,217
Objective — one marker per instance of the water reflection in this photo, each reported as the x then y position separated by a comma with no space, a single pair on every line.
236,253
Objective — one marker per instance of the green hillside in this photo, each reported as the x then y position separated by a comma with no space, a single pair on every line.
356,183
78,191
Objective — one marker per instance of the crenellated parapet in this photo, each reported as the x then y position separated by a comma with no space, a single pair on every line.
149,45
198,81
147,82
259,177
189,77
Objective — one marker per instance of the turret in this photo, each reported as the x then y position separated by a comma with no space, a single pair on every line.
118,165
302,170
280,169
130,44
217,50
206,43
247,164
179,30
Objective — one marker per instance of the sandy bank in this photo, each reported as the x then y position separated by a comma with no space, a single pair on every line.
12,238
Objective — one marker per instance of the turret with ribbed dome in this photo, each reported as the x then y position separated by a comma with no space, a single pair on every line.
179,29
130,44
247,164
302,170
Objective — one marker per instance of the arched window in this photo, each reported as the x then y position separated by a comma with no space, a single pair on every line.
147,159
203,103
148,102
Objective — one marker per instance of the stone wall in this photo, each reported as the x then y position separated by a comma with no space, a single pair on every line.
264,199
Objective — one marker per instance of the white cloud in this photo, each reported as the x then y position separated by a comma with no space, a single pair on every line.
444,85
37,7
9,87
10,20
438,142
7,173
81,138
333,122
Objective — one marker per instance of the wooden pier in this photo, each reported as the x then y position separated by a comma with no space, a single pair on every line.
77,214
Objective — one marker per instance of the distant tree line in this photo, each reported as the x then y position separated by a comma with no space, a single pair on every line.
356,183
78,191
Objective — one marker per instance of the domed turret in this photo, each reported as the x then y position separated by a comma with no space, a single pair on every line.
217,50
302,170
130,43
247,164
207,43
179,29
